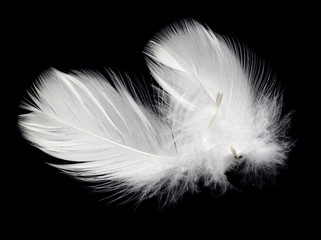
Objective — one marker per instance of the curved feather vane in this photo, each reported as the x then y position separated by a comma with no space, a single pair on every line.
104,132
217,108
193,65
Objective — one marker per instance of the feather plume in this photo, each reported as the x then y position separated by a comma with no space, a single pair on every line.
216,109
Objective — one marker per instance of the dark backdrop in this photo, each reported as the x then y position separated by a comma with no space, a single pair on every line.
93,37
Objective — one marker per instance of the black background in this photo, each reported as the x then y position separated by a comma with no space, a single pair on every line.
93,37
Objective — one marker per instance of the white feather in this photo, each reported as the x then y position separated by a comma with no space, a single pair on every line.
194,66
103,132
214,106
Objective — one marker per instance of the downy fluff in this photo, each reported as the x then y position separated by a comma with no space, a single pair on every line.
216,108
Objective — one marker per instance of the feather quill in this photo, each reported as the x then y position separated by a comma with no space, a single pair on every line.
215,110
